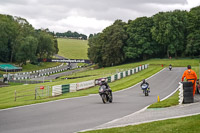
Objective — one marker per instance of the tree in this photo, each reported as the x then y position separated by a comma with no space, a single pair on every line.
90,36
56,45
140,43
109,45
169,31
24,29
4,51
94,50
46,47
193,38
27,50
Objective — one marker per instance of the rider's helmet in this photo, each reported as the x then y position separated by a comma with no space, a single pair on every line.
189,67
143,80
103,80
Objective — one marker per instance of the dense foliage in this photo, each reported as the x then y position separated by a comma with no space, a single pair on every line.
74,35
165,34
20,42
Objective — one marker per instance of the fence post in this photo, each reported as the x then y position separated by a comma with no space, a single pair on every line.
15,95
35,93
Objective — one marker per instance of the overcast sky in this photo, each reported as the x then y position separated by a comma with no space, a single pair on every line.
87,16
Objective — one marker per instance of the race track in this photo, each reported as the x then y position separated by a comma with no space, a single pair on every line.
75,114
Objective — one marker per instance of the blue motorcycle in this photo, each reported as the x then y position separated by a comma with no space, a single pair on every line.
145,88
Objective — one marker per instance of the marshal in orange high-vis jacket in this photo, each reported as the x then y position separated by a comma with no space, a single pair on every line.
191,76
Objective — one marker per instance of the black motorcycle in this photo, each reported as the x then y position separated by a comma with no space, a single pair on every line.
145,89
105,94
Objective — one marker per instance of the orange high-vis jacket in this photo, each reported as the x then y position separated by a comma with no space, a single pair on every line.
190,75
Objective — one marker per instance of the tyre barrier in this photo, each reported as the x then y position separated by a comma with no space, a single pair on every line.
188,92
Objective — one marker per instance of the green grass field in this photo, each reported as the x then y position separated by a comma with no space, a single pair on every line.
72,48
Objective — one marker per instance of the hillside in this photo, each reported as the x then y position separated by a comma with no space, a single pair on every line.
72,48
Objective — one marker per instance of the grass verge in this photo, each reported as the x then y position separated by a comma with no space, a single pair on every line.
181,125
171,101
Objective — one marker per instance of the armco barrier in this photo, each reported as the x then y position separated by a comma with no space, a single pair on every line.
136,69
121,75
126,73
86,84
112,78
65,88
109,79
56,90
72,87
116,76
59,89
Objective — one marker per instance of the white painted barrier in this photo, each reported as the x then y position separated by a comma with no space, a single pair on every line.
180,88
112,78
56,90
136,69
146,66
140,68
73,87
129,72
124,74
86,84
118,75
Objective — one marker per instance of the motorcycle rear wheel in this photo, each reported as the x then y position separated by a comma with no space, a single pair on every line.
146,93
110,97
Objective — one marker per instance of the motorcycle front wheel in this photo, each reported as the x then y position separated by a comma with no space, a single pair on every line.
104,98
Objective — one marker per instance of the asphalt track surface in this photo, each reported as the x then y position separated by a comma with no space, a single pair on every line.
76,114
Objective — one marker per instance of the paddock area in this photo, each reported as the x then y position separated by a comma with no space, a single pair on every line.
9,68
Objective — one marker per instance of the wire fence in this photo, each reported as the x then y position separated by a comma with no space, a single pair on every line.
39,92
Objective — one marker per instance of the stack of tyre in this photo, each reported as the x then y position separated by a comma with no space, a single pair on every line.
188,92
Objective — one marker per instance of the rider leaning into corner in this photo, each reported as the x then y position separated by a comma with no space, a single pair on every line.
103,82
191,76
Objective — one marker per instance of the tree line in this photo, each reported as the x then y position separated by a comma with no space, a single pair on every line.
165,34
70,34
20,42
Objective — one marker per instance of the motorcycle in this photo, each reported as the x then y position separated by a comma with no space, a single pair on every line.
105,94
170,68
145,89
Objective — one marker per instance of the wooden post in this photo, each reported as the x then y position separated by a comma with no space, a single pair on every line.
35,93
15,95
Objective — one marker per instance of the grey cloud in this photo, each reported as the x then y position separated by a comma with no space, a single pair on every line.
48,12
